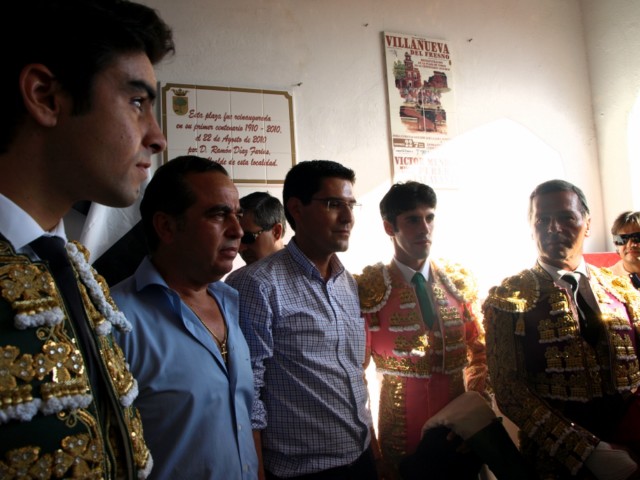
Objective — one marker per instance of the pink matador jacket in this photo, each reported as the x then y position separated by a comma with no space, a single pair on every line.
423,370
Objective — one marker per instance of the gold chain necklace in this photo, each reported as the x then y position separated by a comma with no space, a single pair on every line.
222,344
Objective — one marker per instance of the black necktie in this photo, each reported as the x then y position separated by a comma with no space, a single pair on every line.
588,317
635,280
52,250
424,299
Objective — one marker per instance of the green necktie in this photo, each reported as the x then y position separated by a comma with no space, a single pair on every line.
424,299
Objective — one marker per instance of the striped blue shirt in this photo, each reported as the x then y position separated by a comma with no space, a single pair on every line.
307,342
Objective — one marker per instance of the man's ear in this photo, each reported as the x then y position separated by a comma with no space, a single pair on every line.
587,233
388,228
165,226
294,207
277,231
41,94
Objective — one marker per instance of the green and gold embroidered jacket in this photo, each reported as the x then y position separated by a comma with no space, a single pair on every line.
540,365
52,425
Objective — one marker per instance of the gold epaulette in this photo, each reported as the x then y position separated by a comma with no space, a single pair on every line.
462,279
518,293
374,287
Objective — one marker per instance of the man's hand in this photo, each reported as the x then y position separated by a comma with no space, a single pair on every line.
466,415
607,463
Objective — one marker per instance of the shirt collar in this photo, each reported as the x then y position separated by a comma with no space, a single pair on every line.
20,228
337,268
147,274
556,273
408,272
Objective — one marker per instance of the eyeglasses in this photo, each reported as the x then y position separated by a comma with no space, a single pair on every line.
250,237
335,204
623,238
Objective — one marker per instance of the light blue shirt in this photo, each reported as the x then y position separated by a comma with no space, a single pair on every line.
307,342
195,409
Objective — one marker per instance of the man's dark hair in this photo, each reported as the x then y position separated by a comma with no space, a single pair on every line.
267,210
76,40
403,197
552,186
624,219
170,193
304,180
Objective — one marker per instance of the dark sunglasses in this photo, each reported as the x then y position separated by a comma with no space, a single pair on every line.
623,238
249,237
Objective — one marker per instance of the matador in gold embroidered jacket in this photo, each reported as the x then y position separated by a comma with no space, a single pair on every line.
56,421
564,393
422,368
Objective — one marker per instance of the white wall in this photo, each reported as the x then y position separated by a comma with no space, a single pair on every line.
612,33
521,89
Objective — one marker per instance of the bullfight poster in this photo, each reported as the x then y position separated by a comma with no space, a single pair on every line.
421,108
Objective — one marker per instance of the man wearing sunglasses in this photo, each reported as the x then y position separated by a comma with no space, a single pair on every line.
626,238
562,349
264,226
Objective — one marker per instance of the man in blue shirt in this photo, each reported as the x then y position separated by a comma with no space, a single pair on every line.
300,313
186,348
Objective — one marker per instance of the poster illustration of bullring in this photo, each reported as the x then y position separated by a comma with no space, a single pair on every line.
421,107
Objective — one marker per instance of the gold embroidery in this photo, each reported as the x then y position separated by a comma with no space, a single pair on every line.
407,296
78,457
573,369
26,463
454,361
28,288
13,367
458,280
114,359
408,318
392,421
56,359
31,293
519,293
417,351
141,454
622,344
418,367
61,360
78,454
410,343
372,288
